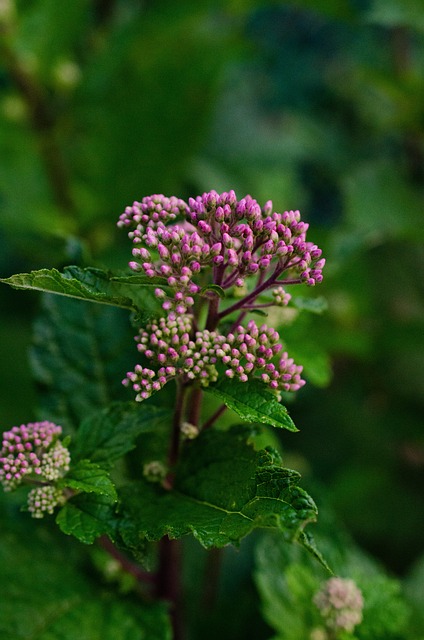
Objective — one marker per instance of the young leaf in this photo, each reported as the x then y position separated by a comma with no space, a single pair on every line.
223,489
252,401
107,435
93,285
213,289
88,477
87,517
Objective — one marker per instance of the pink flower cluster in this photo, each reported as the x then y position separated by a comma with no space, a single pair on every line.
244,353
340,603
33,452
32,449
236,238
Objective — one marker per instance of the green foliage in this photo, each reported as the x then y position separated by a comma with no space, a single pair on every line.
317,104
87,517
94,285
287,580
88,477
414,588
253,402
47,592
222,490
108,435
79,356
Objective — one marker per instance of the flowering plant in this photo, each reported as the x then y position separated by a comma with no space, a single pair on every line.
202,271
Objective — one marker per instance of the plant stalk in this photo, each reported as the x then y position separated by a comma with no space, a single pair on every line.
168,582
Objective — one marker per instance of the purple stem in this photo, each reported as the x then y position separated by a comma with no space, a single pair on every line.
126,564
168,584
214,417
176,423
195,405
251,296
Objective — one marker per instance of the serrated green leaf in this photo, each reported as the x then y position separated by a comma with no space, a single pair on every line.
253,401
107,435
87,517
313,305
79,355
223,490
93,285
89,477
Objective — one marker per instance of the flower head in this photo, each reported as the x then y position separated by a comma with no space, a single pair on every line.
236,241
44,500
254,351
340,603
33,450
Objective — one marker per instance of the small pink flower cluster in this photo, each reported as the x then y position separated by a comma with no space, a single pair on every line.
340,603
33,452
245,353
236,238
44,500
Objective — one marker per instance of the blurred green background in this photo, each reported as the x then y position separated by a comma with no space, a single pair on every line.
317,105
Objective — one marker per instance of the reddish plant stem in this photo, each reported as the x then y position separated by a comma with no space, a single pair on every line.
211,578
251,296
168,575
168,582
126,564
176,423
213,316
195,406
214,417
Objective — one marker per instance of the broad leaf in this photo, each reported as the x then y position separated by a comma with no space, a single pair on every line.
87,517
107,435
94,285
89,477
49,590
223,489
79,357
252,401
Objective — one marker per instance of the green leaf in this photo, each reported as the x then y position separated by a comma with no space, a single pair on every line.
87,517
314,305
253,401
107,435
287,579
93,285
79,356
286,589
89,477
223,490
49,590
